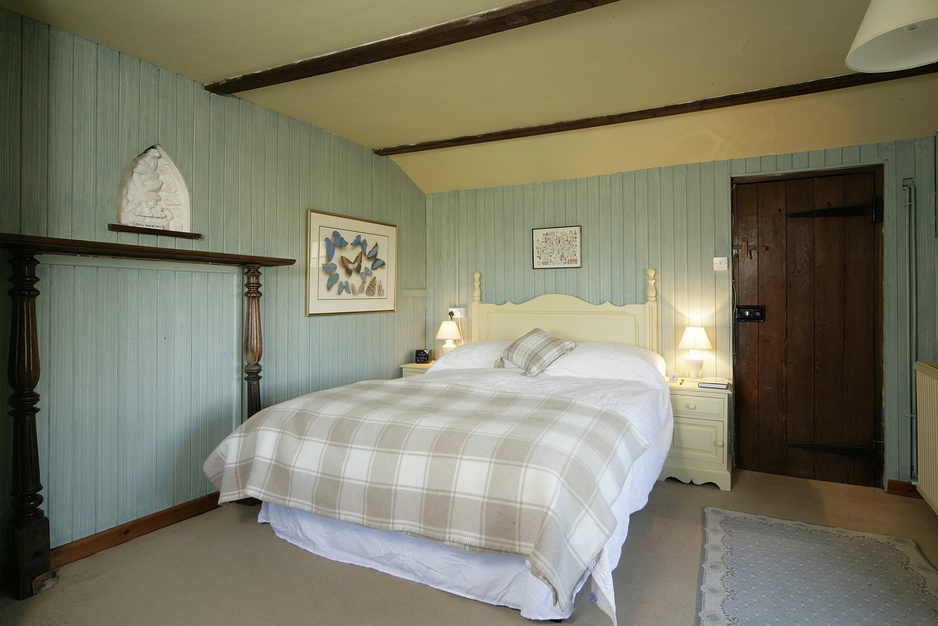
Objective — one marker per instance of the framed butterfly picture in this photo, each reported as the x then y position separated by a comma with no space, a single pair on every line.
352,265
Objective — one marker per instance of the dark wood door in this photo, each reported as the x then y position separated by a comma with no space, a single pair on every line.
808,378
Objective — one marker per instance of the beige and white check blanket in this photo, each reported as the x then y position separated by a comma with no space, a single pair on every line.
484,470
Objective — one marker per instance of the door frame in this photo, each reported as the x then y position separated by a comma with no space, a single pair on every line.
878,171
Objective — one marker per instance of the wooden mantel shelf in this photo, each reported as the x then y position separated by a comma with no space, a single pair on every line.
78,247
32,570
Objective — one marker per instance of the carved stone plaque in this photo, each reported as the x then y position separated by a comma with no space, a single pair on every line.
153,194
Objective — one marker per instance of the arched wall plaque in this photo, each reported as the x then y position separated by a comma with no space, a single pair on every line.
153,194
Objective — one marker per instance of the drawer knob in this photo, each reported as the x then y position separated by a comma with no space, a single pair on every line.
718,444
691,406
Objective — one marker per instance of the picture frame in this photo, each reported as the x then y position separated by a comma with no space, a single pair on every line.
557,247
351,265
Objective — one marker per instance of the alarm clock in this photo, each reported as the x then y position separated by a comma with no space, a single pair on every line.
422,356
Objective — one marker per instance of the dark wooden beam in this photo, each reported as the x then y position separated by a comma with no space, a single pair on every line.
707,104
457,31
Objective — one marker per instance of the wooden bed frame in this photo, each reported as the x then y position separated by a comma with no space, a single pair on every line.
569,317
32,569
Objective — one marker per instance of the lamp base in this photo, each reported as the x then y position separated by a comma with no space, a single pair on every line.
448,345
694,366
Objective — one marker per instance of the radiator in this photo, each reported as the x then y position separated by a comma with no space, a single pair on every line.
926,382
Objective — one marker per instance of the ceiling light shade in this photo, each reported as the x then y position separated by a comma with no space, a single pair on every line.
896,35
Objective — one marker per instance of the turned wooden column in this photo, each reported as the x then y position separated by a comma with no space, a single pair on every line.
31,564
253,342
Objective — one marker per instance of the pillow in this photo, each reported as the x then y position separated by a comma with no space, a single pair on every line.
534,352
609,361
478,354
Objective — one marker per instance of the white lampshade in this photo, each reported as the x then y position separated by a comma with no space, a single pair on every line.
449,333
695,339
896,35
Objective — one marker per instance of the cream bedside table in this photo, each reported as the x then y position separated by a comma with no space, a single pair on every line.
700,452
414,369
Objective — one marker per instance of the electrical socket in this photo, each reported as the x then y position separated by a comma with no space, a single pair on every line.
458,314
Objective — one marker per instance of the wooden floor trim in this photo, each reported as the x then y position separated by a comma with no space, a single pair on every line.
131,530
902,488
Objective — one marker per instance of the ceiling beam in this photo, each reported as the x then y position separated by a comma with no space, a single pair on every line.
707,104
463,29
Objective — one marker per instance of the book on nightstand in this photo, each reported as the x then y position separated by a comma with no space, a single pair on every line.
713,383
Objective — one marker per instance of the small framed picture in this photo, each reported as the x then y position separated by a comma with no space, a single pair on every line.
556,247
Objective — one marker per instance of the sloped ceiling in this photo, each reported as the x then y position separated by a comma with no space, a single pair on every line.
623,56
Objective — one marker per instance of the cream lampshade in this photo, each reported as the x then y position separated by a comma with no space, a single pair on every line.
695,339
449,333
896,35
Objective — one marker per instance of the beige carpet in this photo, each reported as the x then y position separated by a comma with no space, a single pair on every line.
224,568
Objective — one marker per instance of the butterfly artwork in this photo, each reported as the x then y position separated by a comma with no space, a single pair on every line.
334,242
365,273
356,262
352,266
374,289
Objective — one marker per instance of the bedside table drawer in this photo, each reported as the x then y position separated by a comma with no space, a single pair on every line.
691,405
699,440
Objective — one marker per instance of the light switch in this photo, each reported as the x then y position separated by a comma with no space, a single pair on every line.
720,264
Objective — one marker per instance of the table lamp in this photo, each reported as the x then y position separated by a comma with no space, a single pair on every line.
449,333
695,339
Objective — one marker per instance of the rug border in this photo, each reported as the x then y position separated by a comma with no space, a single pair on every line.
917,561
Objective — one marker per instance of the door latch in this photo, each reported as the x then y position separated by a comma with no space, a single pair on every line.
749,313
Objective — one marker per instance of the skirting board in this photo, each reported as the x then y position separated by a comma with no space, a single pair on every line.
103,540
901,488
131,530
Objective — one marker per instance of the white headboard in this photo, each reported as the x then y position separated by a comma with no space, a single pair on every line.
569,318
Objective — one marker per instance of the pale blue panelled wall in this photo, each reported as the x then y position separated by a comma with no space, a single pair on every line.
141,362
677,219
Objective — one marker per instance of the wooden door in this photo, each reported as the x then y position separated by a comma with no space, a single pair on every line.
808,378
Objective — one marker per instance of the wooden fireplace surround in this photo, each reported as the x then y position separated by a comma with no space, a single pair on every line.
31,568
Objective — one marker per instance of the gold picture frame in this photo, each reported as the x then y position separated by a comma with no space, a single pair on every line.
351,265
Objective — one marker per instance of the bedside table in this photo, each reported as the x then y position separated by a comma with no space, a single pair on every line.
415,369
700,452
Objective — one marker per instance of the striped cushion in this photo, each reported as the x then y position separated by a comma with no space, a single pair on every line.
534,352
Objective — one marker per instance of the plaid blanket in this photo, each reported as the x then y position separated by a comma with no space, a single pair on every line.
483,470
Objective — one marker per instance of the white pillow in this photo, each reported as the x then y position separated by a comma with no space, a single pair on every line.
608,361
475,355
534,351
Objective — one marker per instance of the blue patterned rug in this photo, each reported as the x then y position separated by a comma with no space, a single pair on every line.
762,570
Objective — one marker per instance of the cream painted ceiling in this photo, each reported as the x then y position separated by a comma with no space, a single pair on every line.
628,55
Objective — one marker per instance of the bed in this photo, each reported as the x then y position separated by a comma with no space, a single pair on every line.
526,451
